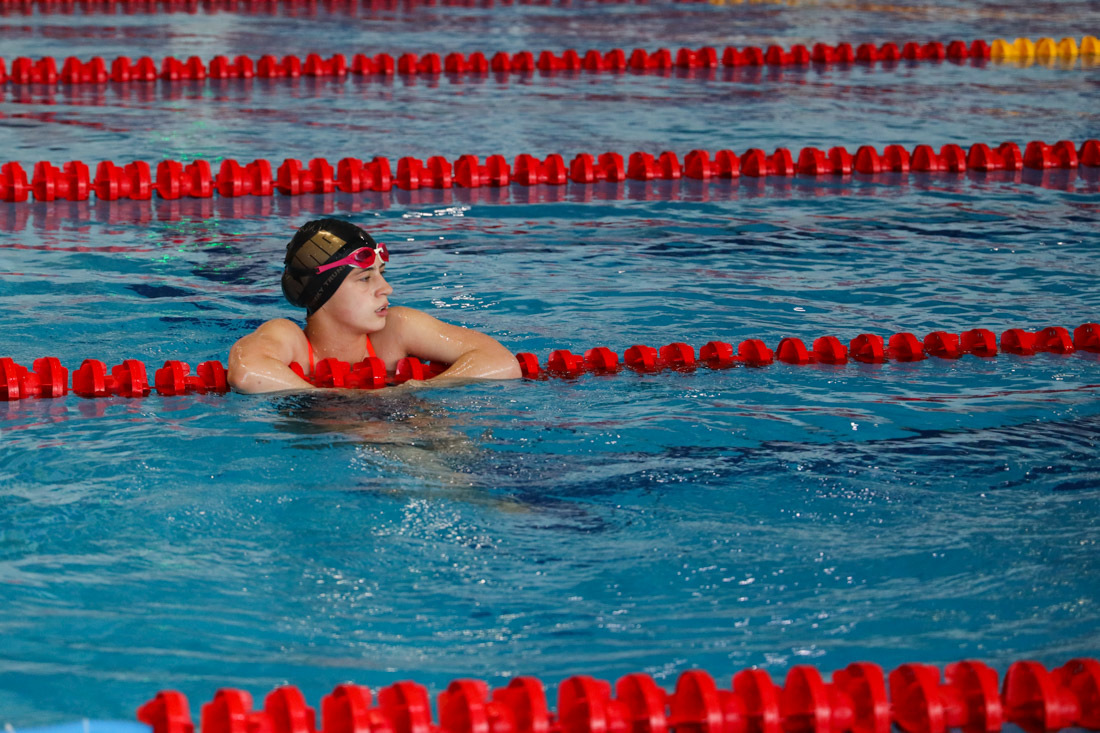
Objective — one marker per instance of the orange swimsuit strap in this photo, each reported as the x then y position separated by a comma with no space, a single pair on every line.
370,351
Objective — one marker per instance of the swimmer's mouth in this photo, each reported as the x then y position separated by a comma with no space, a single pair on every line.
383,310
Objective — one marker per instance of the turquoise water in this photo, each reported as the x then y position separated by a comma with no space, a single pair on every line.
893,513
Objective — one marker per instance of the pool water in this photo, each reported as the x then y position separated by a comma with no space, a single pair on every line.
902,512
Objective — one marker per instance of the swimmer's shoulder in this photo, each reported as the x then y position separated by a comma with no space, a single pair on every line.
281,328
280,337
400,322
402,313
390,339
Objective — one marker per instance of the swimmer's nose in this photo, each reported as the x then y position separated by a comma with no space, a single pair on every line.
385,288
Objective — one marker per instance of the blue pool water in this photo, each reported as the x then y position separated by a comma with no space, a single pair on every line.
929,511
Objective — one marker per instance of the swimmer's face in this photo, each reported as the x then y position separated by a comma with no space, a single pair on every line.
362,300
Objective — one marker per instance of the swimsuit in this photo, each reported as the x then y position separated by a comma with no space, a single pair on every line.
370,352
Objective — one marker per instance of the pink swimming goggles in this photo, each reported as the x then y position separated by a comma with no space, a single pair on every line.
363,258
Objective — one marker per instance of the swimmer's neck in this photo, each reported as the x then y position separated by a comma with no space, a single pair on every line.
332,339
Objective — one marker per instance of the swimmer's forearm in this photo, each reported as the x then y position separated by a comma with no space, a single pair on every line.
484,364
268,376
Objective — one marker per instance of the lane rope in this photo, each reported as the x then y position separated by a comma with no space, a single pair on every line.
860,698
47,378
123,70
56,215
172,180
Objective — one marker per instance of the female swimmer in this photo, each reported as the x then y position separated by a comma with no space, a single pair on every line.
336,271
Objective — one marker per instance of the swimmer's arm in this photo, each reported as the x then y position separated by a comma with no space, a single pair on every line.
259,362
471,354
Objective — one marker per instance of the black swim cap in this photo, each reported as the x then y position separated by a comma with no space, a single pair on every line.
317,243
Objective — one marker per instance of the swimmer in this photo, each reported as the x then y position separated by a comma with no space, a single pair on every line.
336,271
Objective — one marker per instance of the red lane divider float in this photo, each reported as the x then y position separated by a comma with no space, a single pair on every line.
47,378
867,348
860,698
170,180
123,69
